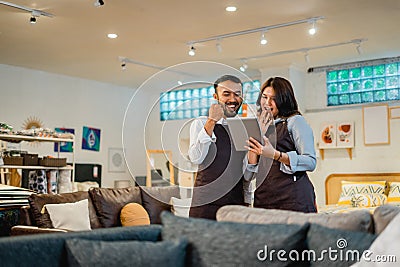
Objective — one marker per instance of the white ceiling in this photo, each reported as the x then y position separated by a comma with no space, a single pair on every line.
74,42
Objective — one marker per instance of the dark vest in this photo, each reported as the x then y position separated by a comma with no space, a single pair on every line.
278,190
219,177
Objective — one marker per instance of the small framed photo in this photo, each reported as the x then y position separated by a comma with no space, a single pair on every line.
116,161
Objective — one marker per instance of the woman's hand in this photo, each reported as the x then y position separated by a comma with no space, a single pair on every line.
266,150
265,119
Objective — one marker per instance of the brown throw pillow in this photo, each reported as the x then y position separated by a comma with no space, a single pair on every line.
156,199
108,203
133,214
42,220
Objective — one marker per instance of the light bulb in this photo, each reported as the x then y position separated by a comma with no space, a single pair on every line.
231,8
263,40
312,30
192,51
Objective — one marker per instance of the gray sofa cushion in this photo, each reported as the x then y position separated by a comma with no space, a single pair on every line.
355,221
157,199
37,201
336,247
383,215
214,243
108,203
83,252
48,249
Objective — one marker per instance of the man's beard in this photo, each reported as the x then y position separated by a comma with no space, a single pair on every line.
228,112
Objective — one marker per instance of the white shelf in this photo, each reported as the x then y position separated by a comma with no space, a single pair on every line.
19,138
68,167
14,138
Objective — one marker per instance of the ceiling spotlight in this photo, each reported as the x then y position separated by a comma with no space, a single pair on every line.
112,35
307,57
98,3
123,65
244,66
180,82
263,40
219,47
192,51
32,20
231,8
359,48
312,30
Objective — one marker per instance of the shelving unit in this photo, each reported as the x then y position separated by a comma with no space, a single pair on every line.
20,138
349,151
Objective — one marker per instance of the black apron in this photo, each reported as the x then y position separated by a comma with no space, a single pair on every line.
219,179
279,190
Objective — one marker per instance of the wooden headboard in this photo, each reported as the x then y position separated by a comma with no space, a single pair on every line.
333,185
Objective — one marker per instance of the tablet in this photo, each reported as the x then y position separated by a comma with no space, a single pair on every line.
241,129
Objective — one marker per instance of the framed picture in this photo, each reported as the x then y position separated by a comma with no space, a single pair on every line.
91,138
64,146
116,161
376,125
395,112
327,135
345,134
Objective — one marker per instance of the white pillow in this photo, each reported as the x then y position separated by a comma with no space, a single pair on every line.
70,216
181,207
385,245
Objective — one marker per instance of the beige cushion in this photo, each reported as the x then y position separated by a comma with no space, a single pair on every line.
360,220
70,216
383,215
133,214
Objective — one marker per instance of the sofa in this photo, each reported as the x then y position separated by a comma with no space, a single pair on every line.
278,238
104,207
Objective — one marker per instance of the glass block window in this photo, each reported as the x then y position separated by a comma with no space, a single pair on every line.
192,103
363,84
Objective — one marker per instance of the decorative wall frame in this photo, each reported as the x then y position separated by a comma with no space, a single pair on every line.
376,125
327,135
395,112
116,161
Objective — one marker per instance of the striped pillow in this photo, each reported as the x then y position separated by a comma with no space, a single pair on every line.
368,200
394,192
350,188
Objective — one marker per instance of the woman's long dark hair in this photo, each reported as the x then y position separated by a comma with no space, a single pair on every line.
284,96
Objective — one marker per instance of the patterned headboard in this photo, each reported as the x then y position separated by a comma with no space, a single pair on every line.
333,184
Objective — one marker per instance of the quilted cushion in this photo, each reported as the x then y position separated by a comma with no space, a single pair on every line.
37,201
108,203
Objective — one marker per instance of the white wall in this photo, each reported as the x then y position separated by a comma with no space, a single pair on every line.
376,158
61,101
